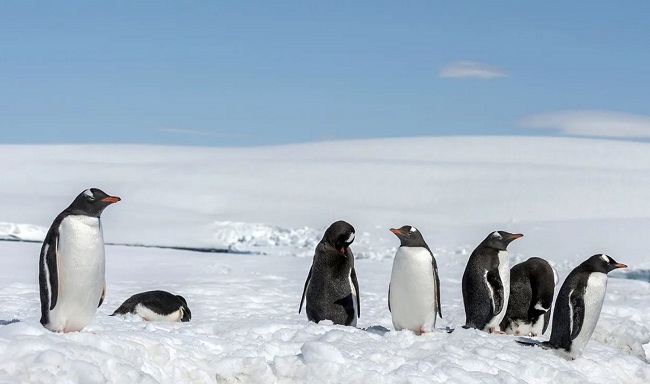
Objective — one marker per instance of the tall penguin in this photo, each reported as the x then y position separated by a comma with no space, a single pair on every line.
414,290
331,289
578,305
532,284
71,267
486,282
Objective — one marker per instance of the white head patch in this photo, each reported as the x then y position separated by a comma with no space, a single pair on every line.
351,238
413,230
89,193
606,258
497,235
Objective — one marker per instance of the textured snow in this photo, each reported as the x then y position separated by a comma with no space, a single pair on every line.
571,198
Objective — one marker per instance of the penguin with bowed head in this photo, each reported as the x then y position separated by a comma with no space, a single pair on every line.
331,289
156,306
72,264
532,285
414,290
578,306
486,282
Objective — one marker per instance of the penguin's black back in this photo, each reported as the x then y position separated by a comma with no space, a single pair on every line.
476,294
160,302
531,282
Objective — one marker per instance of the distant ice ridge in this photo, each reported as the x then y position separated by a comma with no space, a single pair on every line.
22,232
242,236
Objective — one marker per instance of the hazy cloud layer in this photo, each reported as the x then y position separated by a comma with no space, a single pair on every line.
473,69
591,123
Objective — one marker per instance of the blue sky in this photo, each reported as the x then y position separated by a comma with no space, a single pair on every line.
251,73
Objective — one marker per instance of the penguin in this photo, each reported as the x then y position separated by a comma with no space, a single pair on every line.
486,282
414,290
331,289
532,284
578,305
71,267
156,306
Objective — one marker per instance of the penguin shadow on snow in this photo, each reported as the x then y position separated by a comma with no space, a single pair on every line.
7,322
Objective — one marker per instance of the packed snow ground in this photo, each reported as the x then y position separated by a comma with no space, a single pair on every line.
571,198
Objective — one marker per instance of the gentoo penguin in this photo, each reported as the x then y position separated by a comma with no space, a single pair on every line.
532,284
331,289
156,306
486,282
414,290
71,267
578,305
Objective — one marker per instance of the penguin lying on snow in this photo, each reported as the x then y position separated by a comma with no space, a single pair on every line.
578,306
331,288
156,306
532,284
414,290
486,282
72,265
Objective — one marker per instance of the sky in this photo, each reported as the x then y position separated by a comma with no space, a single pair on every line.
244,73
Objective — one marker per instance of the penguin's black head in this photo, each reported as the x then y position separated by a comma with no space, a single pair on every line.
603,263
339,235
91,202
187,314
409,236
500,239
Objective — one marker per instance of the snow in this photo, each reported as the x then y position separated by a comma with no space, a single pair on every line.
268,206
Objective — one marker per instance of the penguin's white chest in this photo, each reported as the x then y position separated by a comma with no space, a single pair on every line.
81,271
413,290
504,274
593,298
149,315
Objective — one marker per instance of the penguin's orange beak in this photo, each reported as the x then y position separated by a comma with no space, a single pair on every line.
517,235
395,231
111,199
619,265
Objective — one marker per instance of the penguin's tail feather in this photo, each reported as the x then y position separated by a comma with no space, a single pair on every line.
527,341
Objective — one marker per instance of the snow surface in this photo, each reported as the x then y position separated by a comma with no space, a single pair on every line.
570,197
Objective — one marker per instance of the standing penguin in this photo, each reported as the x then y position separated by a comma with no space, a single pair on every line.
71,267
414,290
486,282
578,305
532,284
331,289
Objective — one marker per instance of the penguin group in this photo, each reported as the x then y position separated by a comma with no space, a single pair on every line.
497,298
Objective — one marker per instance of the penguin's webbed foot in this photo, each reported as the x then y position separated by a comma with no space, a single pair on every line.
497,331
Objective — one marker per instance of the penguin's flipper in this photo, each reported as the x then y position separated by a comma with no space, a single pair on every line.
437,277
304,291
101,299
389,297
353,277
51,250
494,282
577,307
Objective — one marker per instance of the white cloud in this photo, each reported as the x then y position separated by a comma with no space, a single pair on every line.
474,69
591,123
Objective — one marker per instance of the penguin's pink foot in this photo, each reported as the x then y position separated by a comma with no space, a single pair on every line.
497,331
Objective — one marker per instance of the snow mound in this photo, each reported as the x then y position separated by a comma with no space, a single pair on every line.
623,334
22,232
